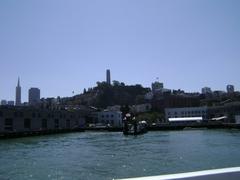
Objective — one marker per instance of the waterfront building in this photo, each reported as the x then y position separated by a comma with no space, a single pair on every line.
33,96
112,118
229,110
186,112
230,89
227,113
108,76
18,93
10,103
29,119
3,102
206,90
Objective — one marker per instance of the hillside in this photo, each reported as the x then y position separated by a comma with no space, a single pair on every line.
104,95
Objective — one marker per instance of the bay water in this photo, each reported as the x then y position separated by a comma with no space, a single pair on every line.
106,155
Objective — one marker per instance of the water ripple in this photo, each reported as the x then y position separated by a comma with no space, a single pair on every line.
106,155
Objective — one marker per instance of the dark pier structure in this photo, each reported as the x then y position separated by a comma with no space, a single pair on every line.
30,121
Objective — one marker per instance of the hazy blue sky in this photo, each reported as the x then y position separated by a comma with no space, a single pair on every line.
65,45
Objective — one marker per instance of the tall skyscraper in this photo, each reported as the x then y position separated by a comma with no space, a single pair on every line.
108,76
33,96
18,94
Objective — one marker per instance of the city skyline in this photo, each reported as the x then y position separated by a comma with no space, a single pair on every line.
187,45
107,77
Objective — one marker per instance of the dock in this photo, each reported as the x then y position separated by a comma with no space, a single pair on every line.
160,127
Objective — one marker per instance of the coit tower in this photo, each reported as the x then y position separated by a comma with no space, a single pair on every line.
108,76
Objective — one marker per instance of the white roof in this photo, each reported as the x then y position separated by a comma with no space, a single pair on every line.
186,119
219,118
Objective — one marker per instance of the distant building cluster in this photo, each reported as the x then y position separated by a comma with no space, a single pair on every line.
33,97
208,90
7,103
209,104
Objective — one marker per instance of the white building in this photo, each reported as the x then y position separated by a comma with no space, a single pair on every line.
157,86
230,89
206,90
112,118
186,112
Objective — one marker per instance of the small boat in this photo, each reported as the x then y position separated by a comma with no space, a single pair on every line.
133,127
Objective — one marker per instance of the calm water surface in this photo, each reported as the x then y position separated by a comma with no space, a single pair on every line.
90,155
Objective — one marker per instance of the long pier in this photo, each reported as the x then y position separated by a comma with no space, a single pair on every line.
8,135
160,127
170,127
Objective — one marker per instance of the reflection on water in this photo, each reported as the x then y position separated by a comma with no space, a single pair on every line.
107,155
